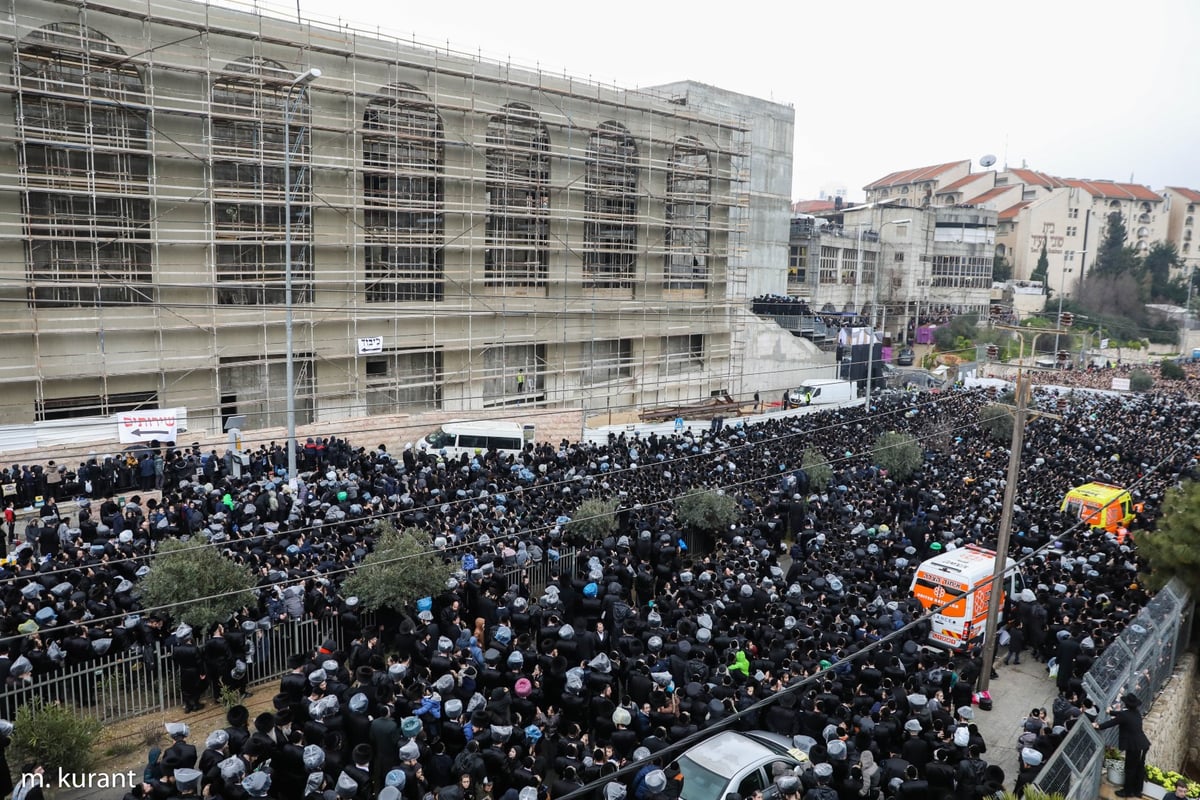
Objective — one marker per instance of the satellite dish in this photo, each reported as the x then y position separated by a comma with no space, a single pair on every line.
987,161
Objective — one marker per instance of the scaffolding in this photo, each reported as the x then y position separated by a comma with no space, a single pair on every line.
480,218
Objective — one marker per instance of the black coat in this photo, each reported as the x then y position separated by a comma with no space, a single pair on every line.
1130,735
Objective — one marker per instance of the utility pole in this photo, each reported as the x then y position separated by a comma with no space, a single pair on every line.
1006,515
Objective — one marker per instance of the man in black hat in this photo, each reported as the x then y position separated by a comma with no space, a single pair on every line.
1127,719
186,656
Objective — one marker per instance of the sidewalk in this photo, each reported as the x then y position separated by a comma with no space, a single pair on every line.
1020,688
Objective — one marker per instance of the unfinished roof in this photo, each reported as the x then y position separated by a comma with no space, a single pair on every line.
1012,211
964,181
913,175
1110,190
1191,195
990,194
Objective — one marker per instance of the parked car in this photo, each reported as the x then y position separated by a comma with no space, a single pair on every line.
905,357
735,762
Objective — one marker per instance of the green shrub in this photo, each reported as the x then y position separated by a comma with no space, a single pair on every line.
593,520
1140,381
55,737
706,511
997,421
1171,370
817,468
401,569
196,583
899,454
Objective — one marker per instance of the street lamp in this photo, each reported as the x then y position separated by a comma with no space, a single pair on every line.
1062,284
295,95
874,303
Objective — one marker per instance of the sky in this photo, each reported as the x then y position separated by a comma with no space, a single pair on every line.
1076,88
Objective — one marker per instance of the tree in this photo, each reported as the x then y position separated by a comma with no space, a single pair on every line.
708,512
997,421
1161,263
899,454
1171,371
817,468
196,582
1140,381
1041,271
1173,550
593,520
1001,269
402,568
1113,258
55,737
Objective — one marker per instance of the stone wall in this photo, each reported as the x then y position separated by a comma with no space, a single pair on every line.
1171,725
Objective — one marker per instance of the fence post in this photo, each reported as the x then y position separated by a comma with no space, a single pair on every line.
160,678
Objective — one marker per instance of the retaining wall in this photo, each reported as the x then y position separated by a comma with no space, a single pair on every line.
1171,725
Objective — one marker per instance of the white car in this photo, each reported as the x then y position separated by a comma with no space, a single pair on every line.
735,762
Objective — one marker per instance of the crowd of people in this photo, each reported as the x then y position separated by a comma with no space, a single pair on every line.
488,691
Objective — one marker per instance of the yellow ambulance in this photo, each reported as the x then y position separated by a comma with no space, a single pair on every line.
1100,505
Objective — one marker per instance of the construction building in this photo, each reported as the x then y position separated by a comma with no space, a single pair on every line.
463,234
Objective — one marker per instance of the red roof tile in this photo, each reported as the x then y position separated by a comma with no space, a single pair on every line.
1035,178
812,206
991,194
1012,211
1191,195
961,182
1114,191
913,175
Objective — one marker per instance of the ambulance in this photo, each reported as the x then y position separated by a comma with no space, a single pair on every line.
960,580
1100,505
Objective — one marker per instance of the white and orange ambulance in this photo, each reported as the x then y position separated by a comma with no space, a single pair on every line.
960,580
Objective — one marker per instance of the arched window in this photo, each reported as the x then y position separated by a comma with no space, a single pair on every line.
249,101
611,204
84,153
518,192
689,210
403,171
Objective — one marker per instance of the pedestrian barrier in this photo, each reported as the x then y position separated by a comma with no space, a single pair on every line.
1139,661
144,679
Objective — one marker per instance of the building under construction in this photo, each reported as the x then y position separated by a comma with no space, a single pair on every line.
463,235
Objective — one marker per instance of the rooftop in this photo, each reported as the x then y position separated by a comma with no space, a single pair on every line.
961,182
1114,191
1191,195
1012,211
990,194
913,175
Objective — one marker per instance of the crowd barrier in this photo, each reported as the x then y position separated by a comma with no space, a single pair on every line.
1140,661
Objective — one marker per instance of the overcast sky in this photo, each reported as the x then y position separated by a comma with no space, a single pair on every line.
1076,88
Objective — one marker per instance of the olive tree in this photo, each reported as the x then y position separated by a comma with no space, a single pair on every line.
196,582
403,567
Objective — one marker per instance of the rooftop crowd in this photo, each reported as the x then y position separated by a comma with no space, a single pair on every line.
487,691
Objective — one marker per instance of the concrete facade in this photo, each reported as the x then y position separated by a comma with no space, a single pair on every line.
463,221
1182,206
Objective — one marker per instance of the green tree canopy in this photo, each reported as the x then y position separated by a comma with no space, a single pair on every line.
1001,268
1141,381
1170,370
709,511
401,569
816,467
195,582
1113,258
997,421
1173,550
1041,271
593,520
1161,263
899,454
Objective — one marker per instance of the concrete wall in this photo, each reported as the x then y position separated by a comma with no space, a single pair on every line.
1172,725
776,360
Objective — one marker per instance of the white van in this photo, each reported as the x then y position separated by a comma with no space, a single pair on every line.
818,392
477,437
961,578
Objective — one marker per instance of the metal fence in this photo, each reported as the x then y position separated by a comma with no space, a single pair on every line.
144,680
1140,661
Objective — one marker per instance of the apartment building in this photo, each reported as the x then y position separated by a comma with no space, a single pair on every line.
454,223
1182,207
916,187
894,264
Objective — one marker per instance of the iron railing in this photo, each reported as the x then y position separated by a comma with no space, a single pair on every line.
1140,661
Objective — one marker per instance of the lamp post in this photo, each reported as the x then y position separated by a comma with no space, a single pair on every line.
1062,283
291,101
874,304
